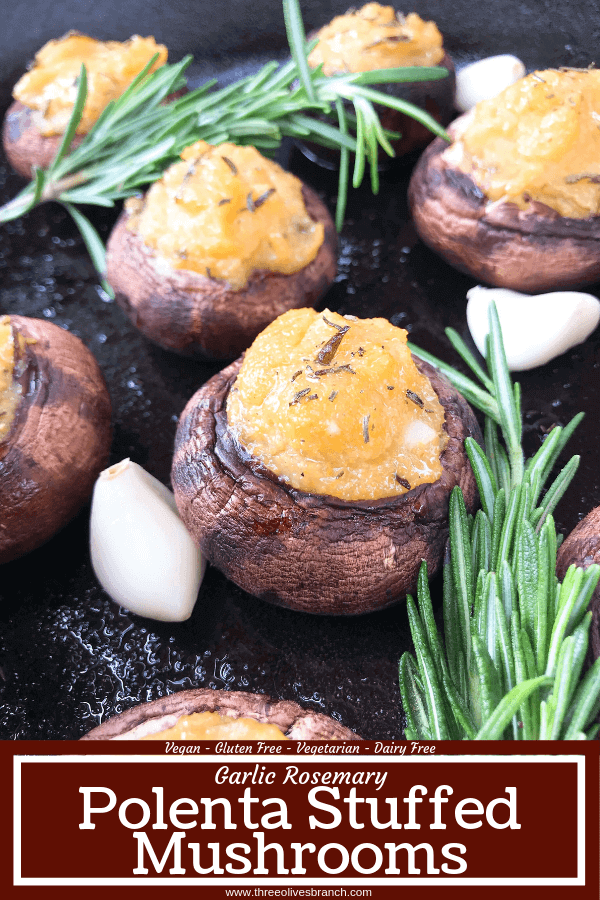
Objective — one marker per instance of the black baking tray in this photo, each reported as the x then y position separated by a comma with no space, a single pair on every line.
69,656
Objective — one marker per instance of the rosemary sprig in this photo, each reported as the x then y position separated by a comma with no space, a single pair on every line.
136,138
515,639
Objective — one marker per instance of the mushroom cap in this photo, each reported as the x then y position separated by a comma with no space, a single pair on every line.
532,250
25,146
435,96
158,715
582,548
59,441
309,552
200,316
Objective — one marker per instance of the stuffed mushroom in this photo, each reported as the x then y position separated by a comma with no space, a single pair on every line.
219,715
55,431
316,473
515,199
220,246
377,37
44,96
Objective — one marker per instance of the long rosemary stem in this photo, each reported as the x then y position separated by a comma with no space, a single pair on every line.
511,660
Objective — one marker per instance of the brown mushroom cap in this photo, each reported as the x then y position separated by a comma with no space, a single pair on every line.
582,548
435,96
59,440
24,144
149,718
200,316
531,250
305,551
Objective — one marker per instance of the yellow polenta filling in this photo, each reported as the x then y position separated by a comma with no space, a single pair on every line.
538,140
335,405
376,37
225,212
210,726
10,391
50,87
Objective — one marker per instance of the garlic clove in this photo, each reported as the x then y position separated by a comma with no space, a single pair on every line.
485,78
142,553
535,328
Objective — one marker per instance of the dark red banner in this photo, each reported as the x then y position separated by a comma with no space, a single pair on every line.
382,816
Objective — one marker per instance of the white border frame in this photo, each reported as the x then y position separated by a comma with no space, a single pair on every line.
325,881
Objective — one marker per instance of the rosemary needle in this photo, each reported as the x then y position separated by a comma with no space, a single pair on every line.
136,138
515,639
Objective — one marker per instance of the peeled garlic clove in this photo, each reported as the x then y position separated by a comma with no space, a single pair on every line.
536,328
485,78
142,553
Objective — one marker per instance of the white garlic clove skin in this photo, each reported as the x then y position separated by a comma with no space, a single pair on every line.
142,553
485,78
535,329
